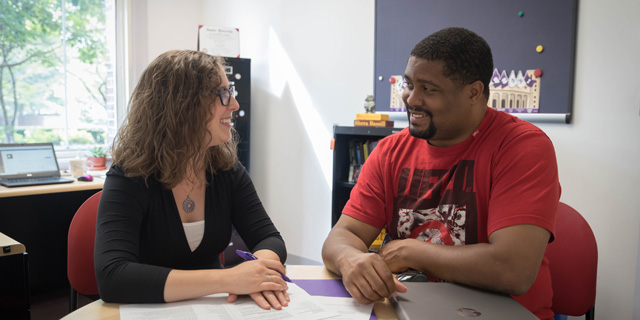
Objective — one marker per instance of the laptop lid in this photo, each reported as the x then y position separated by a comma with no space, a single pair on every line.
448,301
29,160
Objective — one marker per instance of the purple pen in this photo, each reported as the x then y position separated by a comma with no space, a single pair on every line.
248,256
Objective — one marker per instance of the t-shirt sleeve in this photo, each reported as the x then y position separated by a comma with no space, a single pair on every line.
250,218
367,200
525,187
120,276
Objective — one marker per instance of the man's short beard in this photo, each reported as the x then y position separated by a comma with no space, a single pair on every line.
422,134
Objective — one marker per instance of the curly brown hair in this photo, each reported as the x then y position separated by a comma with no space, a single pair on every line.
165,132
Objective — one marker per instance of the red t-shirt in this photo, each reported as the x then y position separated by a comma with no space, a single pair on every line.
504,174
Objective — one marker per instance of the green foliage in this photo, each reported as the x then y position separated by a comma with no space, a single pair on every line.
97,152
38,135
80,137
87,34
98,135
79,140
30,42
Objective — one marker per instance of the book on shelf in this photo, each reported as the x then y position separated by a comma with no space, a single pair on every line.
359,152
373,123
371,116
354,172
352,153
372,145
365,151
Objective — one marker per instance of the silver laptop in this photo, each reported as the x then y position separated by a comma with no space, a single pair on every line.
28,165
448,301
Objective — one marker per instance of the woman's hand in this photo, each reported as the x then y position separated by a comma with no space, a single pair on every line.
262,281
266,299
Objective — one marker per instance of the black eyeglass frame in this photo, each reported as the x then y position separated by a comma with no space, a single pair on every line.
225,94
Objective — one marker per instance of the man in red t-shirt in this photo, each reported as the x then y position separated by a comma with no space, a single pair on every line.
468,194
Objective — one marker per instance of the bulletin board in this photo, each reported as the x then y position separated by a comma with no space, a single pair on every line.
533,44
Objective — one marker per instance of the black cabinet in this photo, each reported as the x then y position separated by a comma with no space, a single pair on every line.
14,286
41,222
238,72
341,161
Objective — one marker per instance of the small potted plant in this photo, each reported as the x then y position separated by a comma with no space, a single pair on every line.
98,157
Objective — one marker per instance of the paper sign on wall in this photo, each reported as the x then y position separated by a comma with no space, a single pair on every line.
219,41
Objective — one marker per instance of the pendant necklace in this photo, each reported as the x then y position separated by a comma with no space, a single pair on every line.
188,205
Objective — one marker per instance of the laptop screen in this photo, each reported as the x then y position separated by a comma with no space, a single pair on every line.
28,160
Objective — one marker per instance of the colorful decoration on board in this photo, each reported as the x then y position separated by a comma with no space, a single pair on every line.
397,86
517,92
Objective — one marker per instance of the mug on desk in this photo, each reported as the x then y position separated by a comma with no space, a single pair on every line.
77,167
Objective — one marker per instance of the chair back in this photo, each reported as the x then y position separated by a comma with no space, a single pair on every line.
82,234
573,263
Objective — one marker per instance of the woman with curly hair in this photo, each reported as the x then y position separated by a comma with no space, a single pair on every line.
175,190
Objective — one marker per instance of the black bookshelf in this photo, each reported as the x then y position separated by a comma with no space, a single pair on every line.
341,185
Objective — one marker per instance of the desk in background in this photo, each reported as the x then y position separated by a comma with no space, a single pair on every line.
39,218
14,291
99,310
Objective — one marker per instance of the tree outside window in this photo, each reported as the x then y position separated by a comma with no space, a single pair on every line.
57,72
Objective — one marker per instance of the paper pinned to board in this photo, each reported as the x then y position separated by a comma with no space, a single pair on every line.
219,41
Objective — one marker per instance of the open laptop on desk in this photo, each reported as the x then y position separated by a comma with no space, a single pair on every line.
29,164
449,301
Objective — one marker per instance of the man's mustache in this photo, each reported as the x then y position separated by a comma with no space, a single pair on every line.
414,109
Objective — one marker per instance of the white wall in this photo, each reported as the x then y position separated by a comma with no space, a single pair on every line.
599,152
311,68
636,300
312,65
172,25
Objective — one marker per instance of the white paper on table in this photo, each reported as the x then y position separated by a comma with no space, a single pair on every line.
188,309
215,307
348,308
295,290
302,306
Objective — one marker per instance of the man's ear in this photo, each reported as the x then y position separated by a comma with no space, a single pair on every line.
476,92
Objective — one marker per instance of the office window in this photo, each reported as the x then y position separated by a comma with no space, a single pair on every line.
57,72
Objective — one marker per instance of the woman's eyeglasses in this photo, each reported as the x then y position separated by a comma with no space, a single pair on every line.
225,95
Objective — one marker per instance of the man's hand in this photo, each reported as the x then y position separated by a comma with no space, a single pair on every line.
365,275
367,278
397,254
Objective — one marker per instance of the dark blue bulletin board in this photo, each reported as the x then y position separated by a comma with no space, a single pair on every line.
513,28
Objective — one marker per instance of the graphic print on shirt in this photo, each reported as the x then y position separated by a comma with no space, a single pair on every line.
437,206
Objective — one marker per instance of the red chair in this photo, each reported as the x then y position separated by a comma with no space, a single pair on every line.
81,240
82,234
573,263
